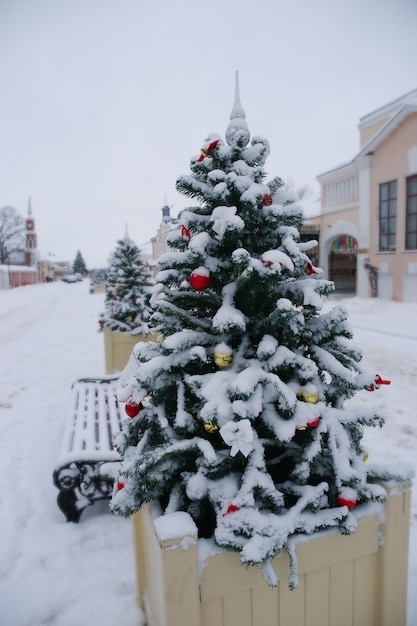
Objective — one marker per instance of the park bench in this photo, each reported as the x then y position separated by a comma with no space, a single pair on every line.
88,463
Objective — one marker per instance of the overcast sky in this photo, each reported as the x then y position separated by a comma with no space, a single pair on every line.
104,102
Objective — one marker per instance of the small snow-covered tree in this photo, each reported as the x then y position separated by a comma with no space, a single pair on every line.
238,414
127,291
79,266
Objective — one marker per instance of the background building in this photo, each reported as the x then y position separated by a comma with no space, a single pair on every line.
159,242
368,219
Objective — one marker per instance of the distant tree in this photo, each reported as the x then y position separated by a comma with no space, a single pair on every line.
128,285
79,266
12,229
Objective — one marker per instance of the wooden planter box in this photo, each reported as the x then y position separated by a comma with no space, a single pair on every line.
118,348
344,580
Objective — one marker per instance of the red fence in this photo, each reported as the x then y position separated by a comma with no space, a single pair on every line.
17,276
20,279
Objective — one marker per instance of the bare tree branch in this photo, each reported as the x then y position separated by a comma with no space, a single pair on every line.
12,230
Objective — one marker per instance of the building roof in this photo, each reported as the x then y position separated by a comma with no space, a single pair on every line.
387,110
398,110
408,108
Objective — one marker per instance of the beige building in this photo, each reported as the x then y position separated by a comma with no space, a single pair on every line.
159,242
51,271
368,219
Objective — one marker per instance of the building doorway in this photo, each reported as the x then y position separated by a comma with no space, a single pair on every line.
343,263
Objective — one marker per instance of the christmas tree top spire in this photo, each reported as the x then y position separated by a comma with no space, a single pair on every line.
237,132
237,110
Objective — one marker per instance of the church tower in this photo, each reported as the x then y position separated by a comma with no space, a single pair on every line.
166,216
31,240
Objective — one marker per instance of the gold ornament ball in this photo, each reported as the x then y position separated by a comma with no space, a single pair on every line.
117,286
209,427
222,359
305,396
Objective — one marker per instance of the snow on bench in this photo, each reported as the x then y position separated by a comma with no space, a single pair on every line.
88,462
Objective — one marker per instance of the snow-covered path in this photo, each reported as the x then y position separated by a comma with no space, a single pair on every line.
52,572
60,574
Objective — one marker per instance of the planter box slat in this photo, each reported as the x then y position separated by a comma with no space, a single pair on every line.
392,575
118,348
343,580
225,575
341,590
265,606
237,609
331,548
364,611
317,593
291,604
212,612
173,587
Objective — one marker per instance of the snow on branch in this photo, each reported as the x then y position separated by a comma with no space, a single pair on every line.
329,363
227,316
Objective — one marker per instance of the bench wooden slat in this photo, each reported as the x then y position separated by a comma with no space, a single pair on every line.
115,419
107,405
82,437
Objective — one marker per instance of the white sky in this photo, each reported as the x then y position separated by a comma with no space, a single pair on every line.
104,102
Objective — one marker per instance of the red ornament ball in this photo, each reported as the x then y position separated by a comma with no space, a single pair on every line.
120,486
314,422
133,408
200,279
267,200
349,502
232,508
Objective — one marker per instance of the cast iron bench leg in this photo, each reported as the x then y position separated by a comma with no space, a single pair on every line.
93,422
67,502
81,484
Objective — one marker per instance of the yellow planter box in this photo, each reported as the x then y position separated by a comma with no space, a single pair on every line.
118,348
343,580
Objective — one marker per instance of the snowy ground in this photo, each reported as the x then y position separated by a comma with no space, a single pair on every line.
61,574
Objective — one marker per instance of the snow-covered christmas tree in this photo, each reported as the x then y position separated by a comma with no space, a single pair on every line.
127,291
79,266
238,414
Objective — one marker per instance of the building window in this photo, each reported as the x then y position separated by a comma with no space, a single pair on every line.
411,214
387,216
